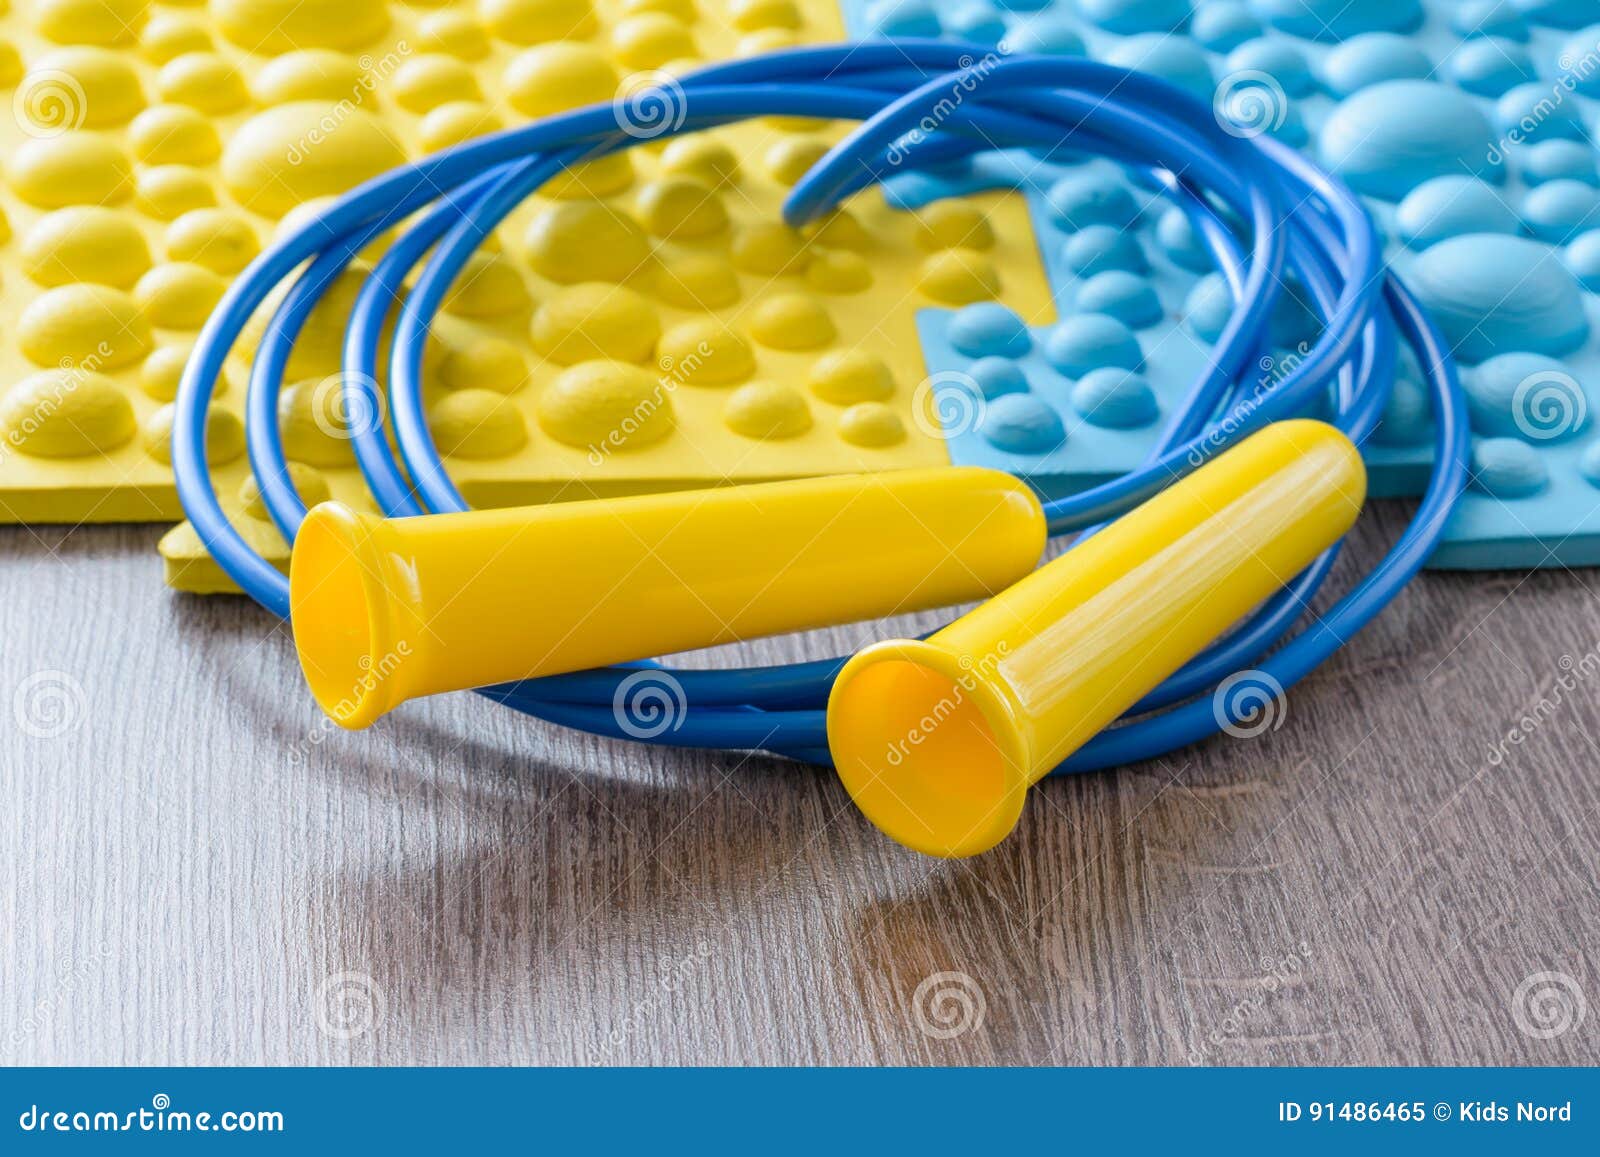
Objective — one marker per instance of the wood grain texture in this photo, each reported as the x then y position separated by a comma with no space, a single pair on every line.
199,871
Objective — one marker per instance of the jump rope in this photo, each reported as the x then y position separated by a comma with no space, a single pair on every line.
1265,213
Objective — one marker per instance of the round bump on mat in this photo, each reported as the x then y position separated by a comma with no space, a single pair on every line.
101,87
1373,58
605,407
706,352
84,243
533,21
1495,294
1125,296
220,239
586,241
1555,160
204,81
179,295
292,153
1098,248
430,79
1134,16
1408,418
66,414
312,74
595,321
1091,197
224,435
1175,59
651,40
1527,396
767,410
1046,34
789,160
840,271
703,157
989,328
1583,259
871,425
169,35
1589,464
1116,399
475,423
845,377
555,77
1091,341
166,192
996,377
958,277
487,364
1490,66
487,286
308,483
456,122
1443,133
1022,424
903,18
1576,62
1208,308
1529,114
90,326
457,33
770,249
953,224
1339,19
174,134
90,21
1507,468
1559,210
792,321
1450,207
681,208
1488,18
1279,59
696,281
161,372
1181,243
276,26
72,169
1223,25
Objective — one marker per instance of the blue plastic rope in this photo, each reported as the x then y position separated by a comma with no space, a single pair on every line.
1265,213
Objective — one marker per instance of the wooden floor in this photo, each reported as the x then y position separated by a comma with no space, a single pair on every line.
198,870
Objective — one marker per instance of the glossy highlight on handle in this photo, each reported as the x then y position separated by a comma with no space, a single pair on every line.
388,609
938,740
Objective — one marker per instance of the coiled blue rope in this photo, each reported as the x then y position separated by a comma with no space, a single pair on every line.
1264,212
